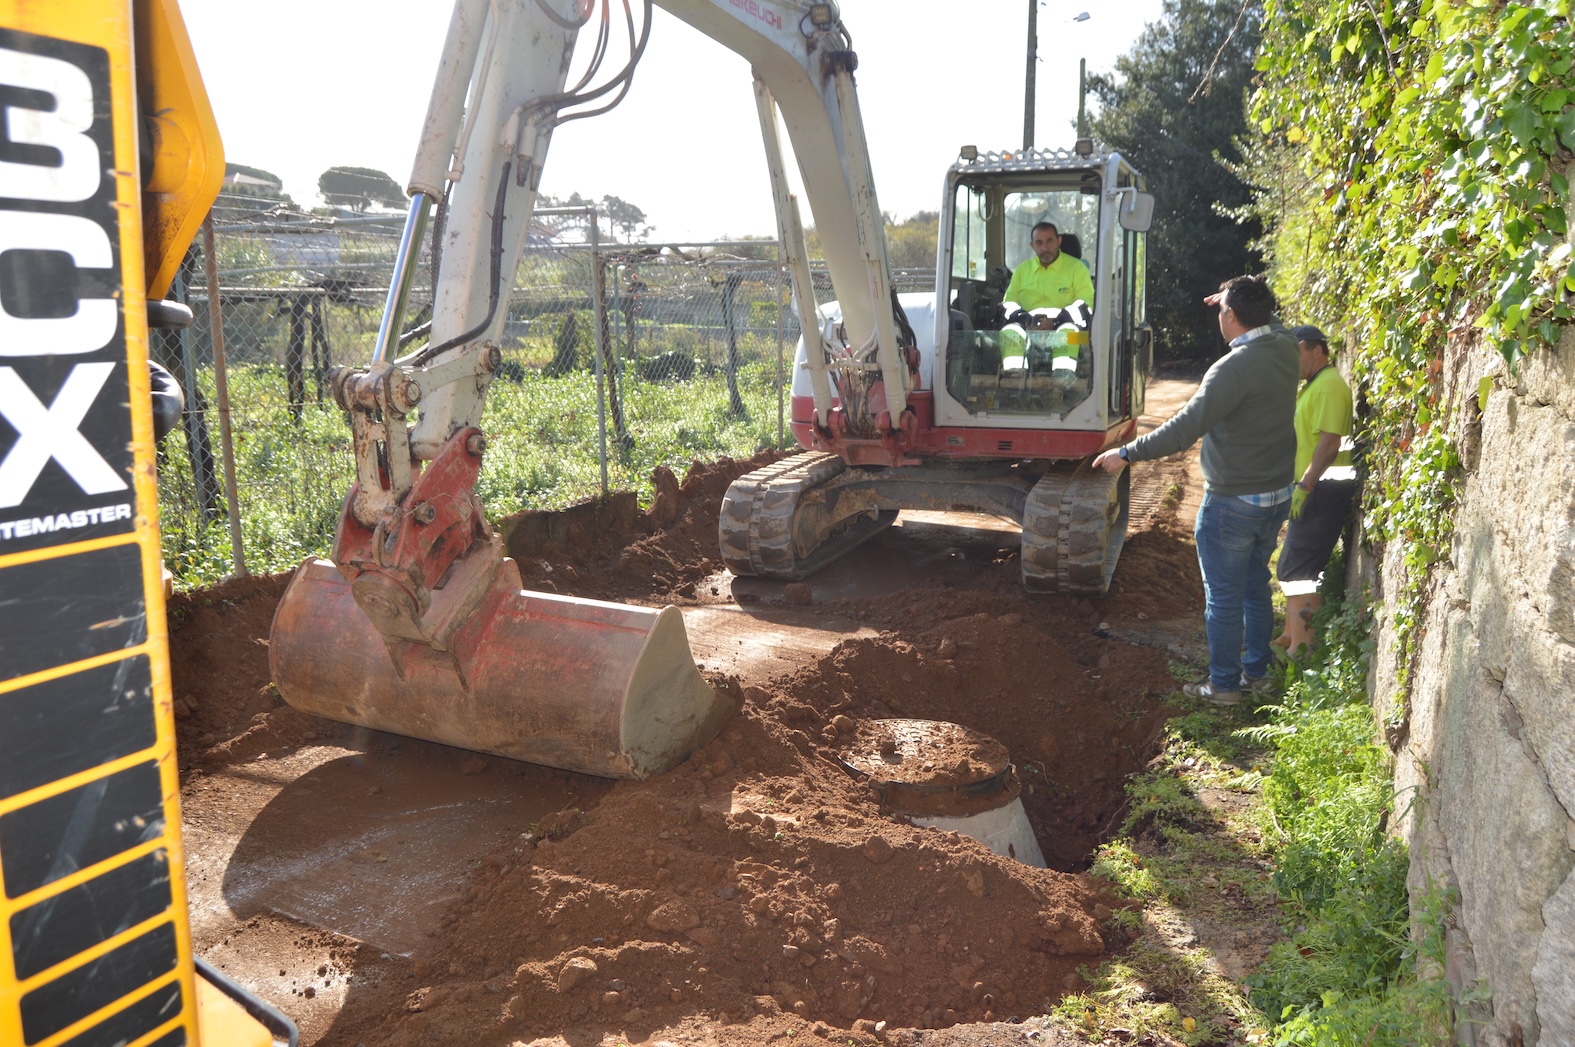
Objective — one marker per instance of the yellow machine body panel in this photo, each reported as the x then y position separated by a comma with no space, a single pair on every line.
188,158
225,1023
94,937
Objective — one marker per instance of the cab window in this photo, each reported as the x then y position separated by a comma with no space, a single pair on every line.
1010,365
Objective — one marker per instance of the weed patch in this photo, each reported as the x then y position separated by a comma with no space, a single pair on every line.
543,430
1271,906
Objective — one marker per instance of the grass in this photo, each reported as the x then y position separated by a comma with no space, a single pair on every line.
1271,823
543,453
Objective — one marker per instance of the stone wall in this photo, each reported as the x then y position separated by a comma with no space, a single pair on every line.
1484,737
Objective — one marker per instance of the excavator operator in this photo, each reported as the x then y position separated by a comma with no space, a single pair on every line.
1052,279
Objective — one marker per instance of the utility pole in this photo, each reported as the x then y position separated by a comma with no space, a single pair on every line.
1082,97
1028,87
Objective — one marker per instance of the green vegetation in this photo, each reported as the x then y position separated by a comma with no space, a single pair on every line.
1413,170
1350,973
1189,864
1276,819
252,183
1176,122
359,188
671,400
910,243
625,221
1409,161
542,454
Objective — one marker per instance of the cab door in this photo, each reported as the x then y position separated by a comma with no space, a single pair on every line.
1132,341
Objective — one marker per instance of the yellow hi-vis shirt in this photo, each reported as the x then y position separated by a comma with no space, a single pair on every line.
1323,405
1052,286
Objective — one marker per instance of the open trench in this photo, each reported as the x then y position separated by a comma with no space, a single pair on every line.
384,890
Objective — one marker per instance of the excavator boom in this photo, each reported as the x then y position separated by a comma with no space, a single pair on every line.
417,623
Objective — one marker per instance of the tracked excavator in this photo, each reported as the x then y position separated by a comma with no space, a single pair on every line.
417,624
967,401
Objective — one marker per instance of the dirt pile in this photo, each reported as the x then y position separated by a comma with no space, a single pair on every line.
758,883
754,881
670,552
226,710
757,889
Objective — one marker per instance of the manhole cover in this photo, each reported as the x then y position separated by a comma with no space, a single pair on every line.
920,762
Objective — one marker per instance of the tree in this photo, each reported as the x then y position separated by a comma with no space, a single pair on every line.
1176,107
254,184
745,247
621,216
624,217
911,244
359,188
252,181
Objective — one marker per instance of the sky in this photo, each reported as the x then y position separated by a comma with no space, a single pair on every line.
298,86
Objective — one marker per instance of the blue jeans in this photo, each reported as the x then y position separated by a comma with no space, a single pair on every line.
1234,542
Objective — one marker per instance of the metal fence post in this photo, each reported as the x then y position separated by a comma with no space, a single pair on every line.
735,401
197,447
221,387
292,282
599,294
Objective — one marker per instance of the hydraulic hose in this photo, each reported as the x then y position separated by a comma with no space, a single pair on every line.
497,278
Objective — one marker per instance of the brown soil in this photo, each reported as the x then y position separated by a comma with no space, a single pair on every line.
755,891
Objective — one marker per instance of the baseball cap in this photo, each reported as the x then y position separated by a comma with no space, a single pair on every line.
1309,333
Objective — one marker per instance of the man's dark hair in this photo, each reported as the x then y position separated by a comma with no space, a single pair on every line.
1044,225
1250,299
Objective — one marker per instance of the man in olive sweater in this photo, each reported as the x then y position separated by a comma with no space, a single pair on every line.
1243,410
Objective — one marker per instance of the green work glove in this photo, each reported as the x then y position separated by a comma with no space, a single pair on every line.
1298,500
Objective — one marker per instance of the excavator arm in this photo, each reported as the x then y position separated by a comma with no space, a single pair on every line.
485,161
417,623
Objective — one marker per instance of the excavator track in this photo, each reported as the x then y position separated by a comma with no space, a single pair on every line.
1074,525
782,522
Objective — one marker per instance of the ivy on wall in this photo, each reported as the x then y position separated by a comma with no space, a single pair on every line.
1437,136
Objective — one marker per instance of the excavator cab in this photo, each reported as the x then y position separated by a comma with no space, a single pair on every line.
1005,366
1001,357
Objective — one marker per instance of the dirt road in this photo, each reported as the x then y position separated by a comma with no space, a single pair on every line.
388,891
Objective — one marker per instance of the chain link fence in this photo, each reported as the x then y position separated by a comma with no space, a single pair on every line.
698,342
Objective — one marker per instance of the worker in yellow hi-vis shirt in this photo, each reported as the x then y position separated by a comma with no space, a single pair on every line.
1325,485
1052,279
